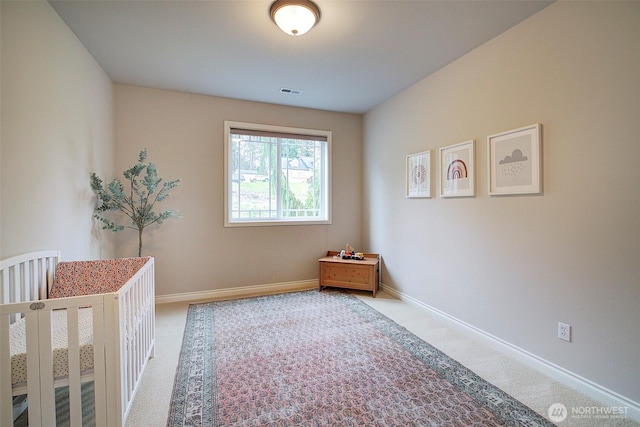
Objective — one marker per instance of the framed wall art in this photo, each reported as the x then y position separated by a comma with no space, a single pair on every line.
515,165
419,174
457,170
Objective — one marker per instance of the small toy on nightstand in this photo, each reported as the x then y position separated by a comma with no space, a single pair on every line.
350,253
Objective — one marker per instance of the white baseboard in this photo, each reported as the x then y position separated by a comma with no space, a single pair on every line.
241,292
560,374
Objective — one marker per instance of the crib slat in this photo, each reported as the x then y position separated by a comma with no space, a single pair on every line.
46,268
30,280
99,363
33,369
6,405
52,262
38,271
132,362
140,353
4,289
73,351
151,294
134,312
16,295
47,391
26,280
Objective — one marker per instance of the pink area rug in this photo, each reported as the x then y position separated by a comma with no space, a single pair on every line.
324,359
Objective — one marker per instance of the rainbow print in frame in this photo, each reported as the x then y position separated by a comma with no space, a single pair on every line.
419,175
457,170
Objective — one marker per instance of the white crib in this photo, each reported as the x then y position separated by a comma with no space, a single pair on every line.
121,339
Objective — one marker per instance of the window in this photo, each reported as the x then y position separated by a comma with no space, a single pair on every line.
276,175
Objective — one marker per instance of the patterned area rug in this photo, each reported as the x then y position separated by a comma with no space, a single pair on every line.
324,359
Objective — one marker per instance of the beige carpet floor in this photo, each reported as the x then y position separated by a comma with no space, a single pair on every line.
535,389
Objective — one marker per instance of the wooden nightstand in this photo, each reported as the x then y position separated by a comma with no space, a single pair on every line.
350,273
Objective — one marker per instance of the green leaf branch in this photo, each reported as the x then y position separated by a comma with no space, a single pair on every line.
137,202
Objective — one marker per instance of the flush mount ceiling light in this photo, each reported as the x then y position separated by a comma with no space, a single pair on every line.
295,17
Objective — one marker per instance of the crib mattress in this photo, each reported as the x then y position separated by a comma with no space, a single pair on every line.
59,344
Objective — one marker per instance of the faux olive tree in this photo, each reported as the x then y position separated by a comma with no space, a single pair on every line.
137,200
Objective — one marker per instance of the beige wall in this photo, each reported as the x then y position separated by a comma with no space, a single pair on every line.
184,137
515,266
56,127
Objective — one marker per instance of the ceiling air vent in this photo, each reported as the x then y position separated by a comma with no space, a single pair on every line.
291,91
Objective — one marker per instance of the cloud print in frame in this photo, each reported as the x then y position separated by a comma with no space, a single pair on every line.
514,161
514,169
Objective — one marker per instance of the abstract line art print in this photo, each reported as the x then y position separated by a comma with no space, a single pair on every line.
419,174
514,161
457,170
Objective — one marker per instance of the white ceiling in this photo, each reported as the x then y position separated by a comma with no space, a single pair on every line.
361,53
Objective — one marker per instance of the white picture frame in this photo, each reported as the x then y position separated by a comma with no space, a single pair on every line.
515,161
457,170
418,175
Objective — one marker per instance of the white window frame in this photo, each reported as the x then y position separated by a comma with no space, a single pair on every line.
326,175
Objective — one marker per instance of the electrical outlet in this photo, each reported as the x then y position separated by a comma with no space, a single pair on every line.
564,331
